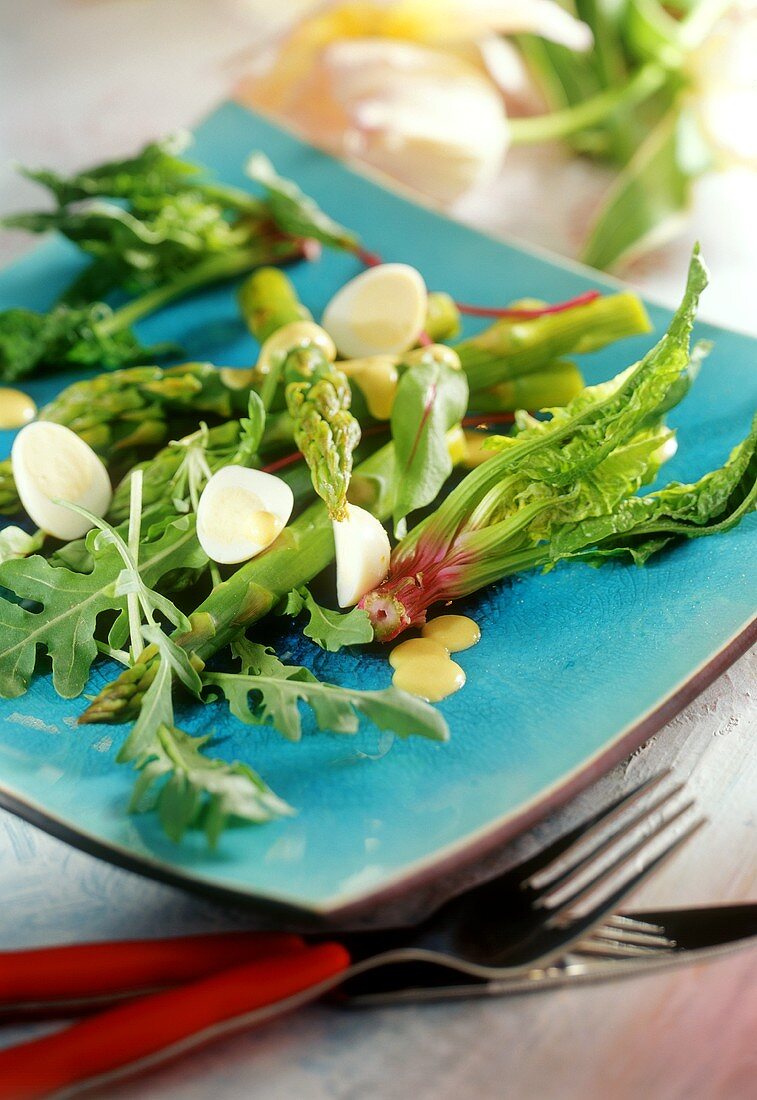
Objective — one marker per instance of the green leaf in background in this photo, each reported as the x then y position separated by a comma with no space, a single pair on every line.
154,171
330,630
431,398
650,33
651,197
31,341
295,212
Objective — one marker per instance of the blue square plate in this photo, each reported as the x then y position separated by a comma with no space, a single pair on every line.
574,669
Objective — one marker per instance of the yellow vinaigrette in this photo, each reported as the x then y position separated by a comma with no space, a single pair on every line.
423,666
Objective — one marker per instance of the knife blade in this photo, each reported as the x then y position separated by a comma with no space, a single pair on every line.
699,934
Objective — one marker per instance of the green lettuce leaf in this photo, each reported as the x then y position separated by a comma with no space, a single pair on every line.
639,526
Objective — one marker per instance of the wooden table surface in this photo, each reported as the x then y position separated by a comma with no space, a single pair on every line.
83,79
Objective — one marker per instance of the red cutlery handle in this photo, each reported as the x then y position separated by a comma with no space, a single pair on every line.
149,1031
81,977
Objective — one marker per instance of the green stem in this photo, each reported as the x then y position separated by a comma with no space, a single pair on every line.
234,197
220,267
559,124
132,599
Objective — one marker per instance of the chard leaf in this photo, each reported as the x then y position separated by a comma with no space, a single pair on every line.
268,692
431,398
329,629
294,212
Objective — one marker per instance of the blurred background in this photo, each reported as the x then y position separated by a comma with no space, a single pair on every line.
611,131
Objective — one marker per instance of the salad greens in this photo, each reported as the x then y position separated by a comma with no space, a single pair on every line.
631,102
563,486
165,232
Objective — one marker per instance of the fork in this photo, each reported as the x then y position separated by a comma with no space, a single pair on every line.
533,914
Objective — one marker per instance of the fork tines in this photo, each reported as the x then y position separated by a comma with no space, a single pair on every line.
618,850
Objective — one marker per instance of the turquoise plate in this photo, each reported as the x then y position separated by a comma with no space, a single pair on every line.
574,669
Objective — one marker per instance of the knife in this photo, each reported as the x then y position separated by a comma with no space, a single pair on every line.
698,935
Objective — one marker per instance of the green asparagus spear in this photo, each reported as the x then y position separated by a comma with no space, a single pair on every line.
269,301
120,415
442,317
556,384
302,550
318,399
512,348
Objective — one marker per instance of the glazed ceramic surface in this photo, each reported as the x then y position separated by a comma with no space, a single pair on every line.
574,668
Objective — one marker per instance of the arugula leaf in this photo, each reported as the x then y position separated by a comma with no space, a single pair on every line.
186,787
277,689
17,543
431,398
71,603
65,626
329,629
294,212
200,790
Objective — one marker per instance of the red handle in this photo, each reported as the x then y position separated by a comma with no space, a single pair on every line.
80,977
151,1030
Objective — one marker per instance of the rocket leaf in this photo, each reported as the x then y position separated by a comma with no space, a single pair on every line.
186,787
71,602
329,629
268,692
